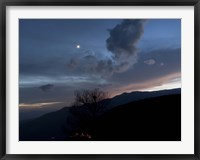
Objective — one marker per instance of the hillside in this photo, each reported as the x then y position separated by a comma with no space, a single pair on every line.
138,95
45,128
25,114
155,118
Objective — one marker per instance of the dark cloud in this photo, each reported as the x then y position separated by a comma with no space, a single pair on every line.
124,37
121,43
47,87
119,54
73,63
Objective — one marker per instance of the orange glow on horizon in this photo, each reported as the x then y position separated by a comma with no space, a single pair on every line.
37,105
162,83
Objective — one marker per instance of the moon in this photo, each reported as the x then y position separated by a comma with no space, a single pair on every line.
78,46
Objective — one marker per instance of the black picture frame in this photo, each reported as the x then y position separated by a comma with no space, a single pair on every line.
4,3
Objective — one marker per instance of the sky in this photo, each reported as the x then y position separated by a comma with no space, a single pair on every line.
59,56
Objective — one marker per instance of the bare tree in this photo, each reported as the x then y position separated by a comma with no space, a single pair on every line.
94,100
87,106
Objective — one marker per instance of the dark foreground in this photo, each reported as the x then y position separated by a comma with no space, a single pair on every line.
152,119
155,119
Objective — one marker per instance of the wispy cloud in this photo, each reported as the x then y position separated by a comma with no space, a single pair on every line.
150,61
37,105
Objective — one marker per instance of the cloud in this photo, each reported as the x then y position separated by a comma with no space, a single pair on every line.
47,87
122,47
73,63
138,78
150,61
124,37
162,64
37,105
118,55
167,61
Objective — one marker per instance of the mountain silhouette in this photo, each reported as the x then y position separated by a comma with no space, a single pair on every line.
138,95
153,119
138,116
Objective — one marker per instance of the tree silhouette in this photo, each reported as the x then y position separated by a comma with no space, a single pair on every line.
94,100
87,106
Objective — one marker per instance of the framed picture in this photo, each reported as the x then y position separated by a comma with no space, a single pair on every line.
103,80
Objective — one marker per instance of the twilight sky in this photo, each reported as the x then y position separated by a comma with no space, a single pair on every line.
58,56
